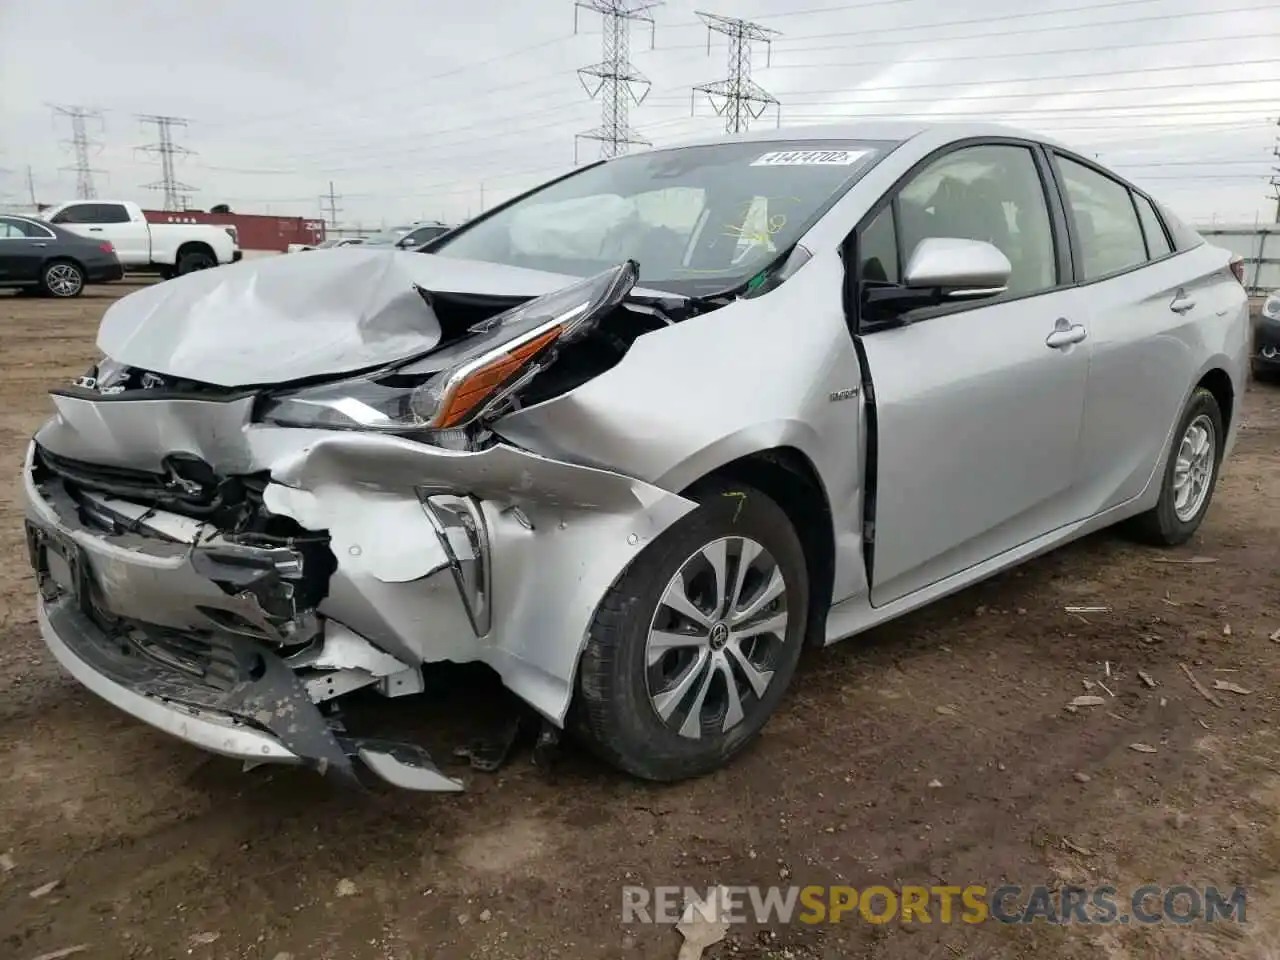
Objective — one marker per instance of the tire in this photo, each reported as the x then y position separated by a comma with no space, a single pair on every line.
62,279
614,711
195,260
1167,524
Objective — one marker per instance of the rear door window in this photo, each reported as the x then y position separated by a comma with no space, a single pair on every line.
1157,241
1105,218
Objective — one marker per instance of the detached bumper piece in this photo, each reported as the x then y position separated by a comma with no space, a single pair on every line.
230,695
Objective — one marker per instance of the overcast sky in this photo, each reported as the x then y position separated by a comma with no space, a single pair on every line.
419,109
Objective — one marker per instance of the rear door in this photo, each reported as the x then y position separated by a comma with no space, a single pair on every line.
1143,304
977,407
23,248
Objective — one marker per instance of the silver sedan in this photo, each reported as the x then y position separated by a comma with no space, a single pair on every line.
634,439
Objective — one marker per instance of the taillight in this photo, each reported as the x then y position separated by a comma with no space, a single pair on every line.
106,247
1237,267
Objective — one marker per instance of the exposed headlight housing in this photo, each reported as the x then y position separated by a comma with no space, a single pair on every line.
1271,308
454,387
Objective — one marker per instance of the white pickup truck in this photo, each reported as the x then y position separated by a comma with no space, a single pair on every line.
169,249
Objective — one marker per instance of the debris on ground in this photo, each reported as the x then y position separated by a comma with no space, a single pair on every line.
6,862
1275,637
1226,629
1088,609
1106,688
1230,687
1142,747
702,925
944,710
345,888
1200,688
64,952
44,889
1076,848
204,939
1182,560
935,783
1146,678
1087,701
1081,777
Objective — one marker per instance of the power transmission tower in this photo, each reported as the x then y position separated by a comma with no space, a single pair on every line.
615,80
1275,179
331,200
31,188
80,144
175,191
738,98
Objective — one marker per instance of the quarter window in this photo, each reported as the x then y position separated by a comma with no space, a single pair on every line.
992,193
878,250
1157,243
1106,221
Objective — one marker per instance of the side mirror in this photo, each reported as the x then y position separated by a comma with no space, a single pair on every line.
940,270
958,269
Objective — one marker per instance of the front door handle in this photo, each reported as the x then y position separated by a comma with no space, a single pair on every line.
40,243
1065,334
95,229
1182,303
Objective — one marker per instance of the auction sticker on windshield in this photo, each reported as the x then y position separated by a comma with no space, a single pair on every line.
821,158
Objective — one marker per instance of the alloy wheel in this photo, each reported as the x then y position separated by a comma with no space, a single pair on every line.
715,637
1193,469
63,280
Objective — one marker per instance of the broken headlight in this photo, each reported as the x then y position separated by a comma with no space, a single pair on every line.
457,385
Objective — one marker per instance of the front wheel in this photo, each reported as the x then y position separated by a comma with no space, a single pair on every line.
694,645
1190,475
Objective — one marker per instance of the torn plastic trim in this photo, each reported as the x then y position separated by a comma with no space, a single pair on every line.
459,524
559,535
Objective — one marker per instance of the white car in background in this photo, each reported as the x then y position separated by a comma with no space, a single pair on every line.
169,249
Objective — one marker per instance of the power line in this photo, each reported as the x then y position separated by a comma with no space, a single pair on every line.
616,79
331,200
738,98
80,144
1275,179
175,190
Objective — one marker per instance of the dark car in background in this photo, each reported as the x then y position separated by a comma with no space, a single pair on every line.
409,237
40,256
1266,355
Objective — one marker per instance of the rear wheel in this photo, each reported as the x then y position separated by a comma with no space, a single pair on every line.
1190,475
694,645
62,279
195,260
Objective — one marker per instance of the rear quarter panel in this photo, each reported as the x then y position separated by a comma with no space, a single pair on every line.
1145,361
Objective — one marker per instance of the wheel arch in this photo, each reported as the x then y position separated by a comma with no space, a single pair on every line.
1218,382
788,477
194,246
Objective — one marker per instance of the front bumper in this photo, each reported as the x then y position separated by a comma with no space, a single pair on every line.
1266,342
497,556
237,256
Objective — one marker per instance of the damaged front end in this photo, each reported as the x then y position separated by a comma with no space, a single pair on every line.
220,560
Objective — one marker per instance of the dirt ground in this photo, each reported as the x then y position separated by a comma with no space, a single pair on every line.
936,750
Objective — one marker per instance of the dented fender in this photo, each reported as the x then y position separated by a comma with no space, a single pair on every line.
555,536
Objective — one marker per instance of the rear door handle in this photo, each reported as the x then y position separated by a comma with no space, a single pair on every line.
1065,334
95,229
1182,303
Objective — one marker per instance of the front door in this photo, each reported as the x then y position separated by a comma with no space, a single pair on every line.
978,407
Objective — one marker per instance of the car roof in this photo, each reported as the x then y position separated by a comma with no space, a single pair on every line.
893,131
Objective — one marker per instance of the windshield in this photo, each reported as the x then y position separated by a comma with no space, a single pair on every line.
699,220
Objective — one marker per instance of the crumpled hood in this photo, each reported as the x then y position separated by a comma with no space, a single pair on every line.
283,318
